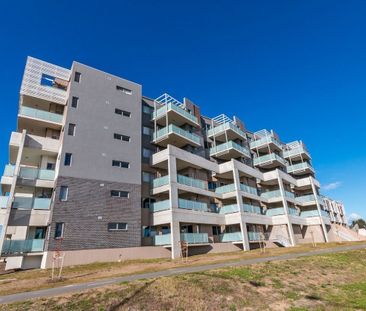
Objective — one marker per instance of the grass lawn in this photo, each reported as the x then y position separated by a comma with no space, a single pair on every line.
326,282
40,279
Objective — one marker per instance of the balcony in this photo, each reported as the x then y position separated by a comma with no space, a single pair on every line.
19,247
308,199
163,239
297,152
225,189
275,211
271,194
190,238
264,142
252,209
4,201
226,131
324,214
193,205
248,189
194,238
255,236
229,209
31,203
300,168
229,150
160,206
9,170
188,181
32,173
309,213
176,136
41,115
175,114
161,181
231,237
269,161
293,211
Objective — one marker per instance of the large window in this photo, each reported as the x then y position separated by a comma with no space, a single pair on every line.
68,159
59,230
117,226
120,194
64,193
146,153
122,137
121,164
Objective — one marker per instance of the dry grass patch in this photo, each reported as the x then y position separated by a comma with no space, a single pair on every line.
327,282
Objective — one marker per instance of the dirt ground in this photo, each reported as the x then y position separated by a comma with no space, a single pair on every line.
326,282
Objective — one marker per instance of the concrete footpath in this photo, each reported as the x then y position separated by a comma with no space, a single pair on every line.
69,289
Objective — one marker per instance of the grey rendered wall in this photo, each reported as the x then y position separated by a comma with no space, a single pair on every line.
93,146
91,176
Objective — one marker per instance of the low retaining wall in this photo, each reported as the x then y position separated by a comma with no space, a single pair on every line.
88,256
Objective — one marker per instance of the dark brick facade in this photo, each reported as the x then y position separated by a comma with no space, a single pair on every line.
88,211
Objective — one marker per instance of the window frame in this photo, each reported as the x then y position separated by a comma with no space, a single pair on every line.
68,154
122,137
74,102
56,237
122,194
117,226
64,190
73,125
124,90
120,164
77,76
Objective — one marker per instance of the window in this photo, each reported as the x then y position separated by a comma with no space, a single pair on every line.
71,129
147,109
47,80
120,164
77,77
146,153
216,230
120,194
147,177
147,130
68,159
50,166
74,102
59,230
122,112
124,90
122,137
64,193
117,226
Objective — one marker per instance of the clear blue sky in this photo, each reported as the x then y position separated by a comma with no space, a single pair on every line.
298,67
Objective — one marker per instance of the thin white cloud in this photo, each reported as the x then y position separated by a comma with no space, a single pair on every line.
352,217
332,185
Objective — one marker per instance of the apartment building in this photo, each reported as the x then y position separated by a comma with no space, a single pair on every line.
99,172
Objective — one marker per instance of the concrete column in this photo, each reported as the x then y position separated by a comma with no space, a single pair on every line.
285,206
326,239
239,201
173,198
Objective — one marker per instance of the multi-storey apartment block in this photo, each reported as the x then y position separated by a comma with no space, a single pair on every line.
98,172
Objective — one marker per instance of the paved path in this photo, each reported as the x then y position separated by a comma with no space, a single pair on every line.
189,269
